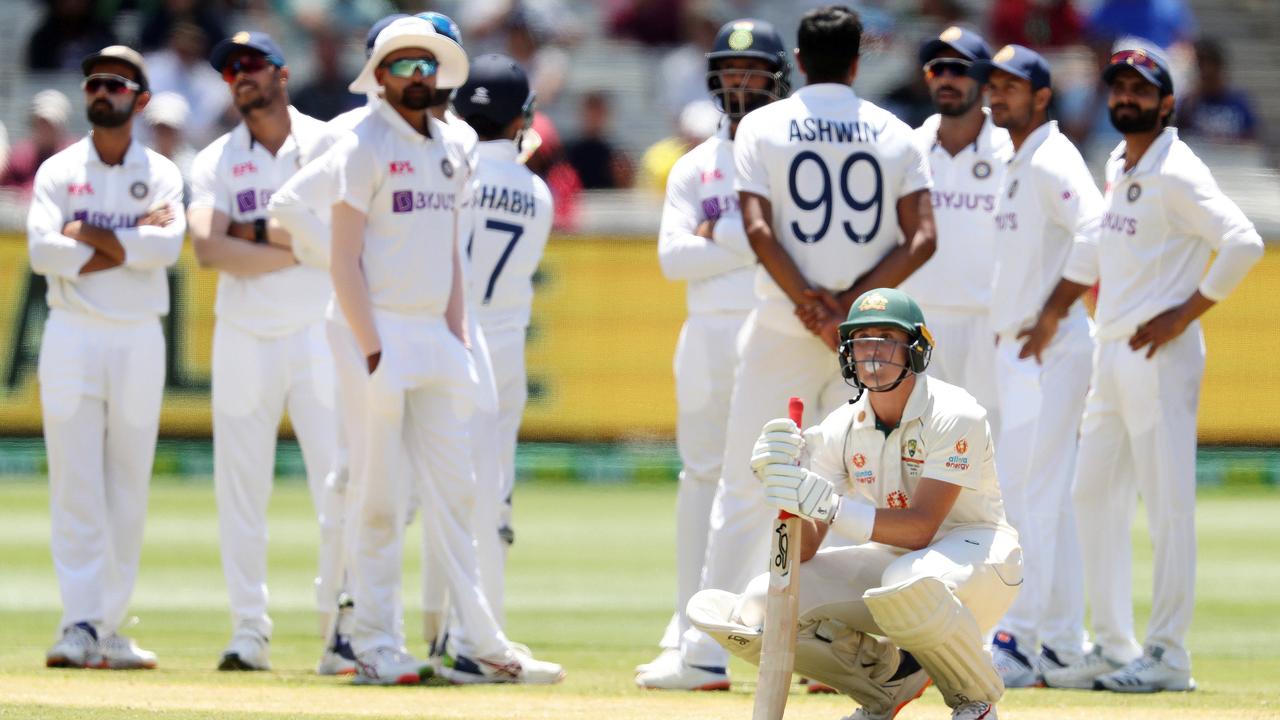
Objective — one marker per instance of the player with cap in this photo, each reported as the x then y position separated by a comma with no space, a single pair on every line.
827,183
906,473
1164,217
105,221
702,242
397,272
269,349
511,211
967,154
1047,202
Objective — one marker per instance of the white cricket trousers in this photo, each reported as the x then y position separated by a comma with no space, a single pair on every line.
1041,407
778,359
101,384
706,355
964,354
417,411
486,510
1140,437
255,379
506,351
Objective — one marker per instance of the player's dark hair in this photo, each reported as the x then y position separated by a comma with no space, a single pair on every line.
486,128
828,42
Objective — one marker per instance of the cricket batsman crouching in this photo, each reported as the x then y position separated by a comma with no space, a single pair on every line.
906,471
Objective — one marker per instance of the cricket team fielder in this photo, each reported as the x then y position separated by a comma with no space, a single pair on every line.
510,221
397,273
827,182
702,242
906,473
1164,216
1047,203
105,221
967,157
269,348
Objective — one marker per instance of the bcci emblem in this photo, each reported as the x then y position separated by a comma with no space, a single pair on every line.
982,169
741,37
446,167
138,190
1135,192
1013,188
240,38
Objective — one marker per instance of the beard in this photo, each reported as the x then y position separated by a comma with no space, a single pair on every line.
264,99
103,114
1141,121
439,97
956,108
413,97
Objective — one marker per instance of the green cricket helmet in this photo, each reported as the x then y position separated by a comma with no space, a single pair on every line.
886,307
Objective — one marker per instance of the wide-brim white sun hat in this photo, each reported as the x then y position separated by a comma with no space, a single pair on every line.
413,32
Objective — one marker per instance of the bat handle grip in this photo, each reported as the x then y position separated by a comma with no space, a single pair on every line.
795,408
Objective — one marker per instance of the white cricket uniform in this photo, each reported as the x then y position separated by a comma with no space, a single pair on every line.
1048,201
953,287
719,273
269,355
1163,219
102,366
511,211
418,403
849,162
944,436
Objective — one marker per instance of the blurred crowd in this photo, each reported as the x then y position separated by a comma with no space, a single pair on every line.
587,128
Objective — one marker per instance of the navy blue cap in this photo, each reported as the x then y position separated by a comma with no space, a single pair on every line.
497,89
376,28
250,40
966,42
1151,65
1015,60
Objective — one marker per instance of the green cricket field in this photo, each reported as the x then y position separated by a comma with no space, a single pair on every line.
590,585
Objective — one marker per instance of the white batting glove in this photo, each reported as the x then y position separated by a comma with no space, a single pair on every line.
799,492
780,443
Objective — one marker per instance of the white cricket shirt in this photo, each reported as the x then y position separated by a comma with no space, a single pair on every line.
511,211
236,175
409,187
833,166
943,436
719,271
75,184
1047,202
1163,218
965,188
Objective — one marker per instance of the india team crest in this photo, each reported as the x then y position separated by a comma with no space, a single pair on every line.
951,34
446,167
138,190
1134,192
982,169
874,301
1006,54
741,37
240,38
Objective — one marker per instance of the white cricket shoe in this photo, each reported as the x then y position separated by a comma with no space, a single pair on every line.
1149,673
77,648
667,657
908,689
974,711
388,666
684,677
338,657
1080,675
121,653
246,651
1014,667
518,666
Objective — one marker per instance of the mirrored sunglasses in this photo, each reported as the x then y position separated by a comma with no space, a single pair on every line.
406,67
244,64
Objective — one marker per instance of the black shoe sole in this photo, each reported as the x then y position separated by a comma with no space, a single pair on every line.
232,662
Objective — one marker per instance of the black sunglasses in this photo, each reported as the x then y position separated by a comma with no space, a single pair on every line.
114,84
954,67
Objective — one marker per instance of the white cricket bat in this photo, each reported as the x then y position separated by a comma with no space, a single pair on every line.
781,609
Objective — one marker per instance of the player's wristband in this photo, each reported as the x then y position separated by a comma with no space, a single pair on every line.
854,520
260,231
